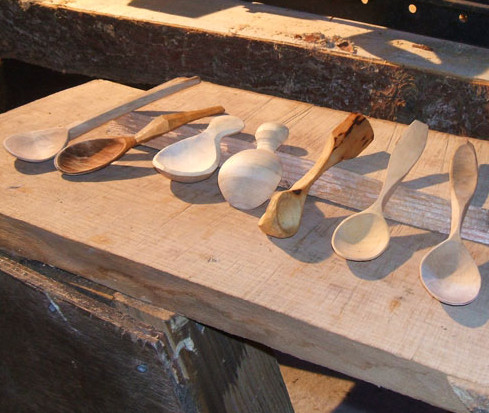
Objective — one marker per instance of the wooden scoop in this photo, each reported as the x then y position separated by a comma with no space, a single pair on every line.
448,271
284,213
365,235
196,158
90,155
248,178
41,145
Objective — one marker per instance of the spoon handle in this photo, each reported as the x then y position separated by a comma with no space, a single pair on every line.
270,135
166,123
405,154
223,126
149,96
346,141
463,182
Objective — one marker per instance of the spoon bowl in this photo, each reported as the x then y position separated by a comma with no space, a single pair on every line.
365,234
36,146
450,274
41,145
88,156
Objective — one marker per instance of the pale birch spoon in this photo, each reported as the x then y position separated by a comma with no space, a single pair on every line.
284,212
365,235
41,145
448,271
248,178
196,158
94,154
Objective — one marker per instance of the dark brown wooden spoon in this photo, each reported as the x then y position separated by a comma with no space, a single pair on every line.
94,154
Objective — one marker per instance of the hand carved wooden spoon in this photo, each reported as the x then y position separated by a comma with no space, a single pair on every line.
41,145
196,158
284,213
365,235
248,178
90,155
448,271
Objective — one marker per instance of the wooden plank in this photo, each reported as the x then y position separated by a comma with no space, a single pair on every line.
182,247
89,356
383,73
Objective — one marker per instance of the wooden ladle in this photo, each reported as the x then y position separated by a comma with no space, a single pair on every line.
91,155
365,235
448,271
284,212
41,145
196,158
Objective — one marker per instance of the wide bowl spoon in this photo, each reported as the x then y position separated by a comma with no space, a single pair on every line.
196,158
448,271
365,235
249,177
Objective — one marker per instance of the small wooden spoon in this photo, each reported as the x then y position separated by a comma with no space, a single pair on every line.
448,271
284,213
248,178
41,145
196,158
365,235
94,154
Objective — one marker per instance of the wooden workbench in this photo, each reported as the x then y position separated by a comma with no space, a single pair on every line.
180,246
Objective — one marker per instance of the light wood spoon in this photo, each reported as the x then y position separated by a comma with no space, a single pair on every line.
448,271
41,145
94,154
248,178
196,158
284,212
365,235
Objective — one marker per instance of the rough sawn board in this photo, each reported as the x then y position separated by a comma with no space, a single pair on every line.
182,247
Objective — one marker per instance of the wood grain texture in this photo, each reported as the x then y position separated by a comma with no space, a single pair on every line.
382,73
181,246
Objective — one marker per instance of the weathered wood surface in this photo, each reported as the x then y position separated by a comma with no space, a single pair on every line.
64,351
330,62
182,247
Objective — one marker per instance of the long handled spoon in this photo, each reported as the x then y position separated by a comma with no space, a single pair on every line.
41,145
448,271
284,212
196,158
90,155
365,235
